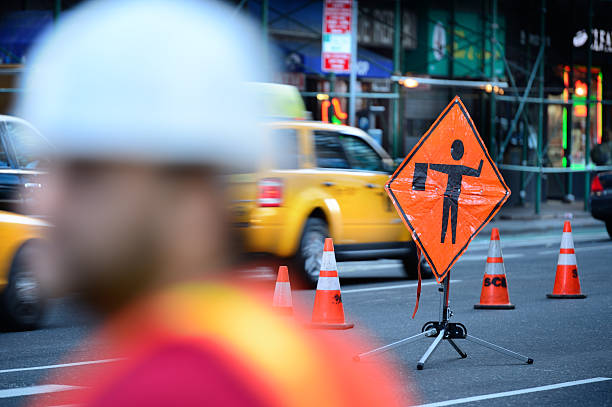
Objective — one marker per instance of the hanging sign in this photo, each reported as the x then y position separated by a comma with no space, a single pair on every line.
336,47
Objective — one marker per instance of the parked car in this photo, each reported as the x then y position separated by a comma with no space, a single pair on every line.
21,300
21,166
601,199
321,180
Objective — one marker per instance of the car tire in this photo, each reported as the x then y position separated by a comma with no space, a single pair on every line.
21,301
609,228
307,260
410,265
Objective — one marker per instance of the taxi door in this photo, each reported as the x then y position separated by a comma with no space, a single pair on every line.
336,178
378,221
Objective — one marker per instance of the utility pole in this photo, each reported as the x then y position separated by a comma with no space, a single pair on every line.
569,185
353,73
492,133
587,128
264,21
539,157
397,47
57,9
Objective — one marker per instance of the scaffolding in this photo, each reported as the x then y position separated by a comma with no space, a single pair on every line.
516,98
519,100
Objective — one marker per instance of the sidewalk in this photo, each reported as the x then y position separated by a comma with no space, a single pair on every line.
523,220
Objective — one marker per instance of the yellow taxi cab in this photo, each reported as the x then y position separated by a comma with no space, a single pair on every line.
320,180
21,301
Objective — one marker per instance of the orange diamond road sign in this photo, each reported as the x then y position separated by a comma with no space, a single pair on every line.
448,188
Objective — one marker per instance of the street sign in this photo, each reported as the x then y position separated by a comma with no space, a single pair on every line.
336,47
448,188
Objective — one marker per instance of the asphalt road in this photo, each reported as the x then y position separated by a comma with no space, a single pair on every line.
568,339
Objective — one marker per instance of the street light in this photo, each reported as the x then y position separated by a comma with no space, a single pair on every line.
410,83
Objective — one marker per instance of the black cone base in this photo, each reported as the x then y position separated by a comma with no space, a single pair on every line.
566,296
500,306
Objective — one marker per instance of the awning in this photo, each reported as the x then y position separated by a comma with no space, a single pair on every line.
300,56
18,30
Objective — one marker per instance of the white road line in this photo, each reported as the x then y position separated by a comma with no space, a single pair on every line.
88,362
578,249
28,391
391,287
514,392
483,257
365,267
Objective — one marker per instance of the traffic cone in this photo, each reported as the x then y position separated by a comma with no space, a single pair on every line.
282,292
494,293
328,311
567,284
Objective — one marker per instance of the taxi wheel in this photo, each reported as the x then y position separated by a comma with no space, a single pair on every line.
410,264
308,257
21,302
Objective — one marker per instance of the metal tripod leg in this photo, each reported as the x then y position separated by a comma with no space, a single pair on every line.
430,350
457,348
394,344
499,349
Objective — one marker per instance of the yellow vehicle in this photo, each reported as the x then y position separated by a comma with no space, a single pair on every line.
21,302
320,180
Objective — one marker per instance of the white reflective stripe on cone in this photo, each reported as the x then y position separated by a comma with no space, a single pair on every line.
328,262
567,259
495,268
566,241
282,295
494,249
328,283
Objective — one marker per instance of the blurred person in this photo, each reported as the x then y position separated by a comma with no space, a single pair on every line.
146,105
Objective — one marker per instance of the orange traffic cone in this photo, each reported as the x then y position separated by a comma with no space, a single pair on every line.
567,284
282,292
494,293
328,311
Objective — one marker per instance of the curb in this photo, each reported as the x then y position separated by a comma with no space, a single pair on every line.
522,226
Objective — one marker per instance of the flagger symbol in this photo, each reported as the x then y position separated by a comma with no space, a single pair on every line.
455,174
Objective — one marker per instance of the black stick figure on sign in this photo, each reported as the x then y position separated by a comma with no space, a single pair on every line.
455,174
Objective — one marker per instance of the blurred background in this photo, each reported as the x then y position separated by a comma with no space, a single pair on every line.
162,177
527,97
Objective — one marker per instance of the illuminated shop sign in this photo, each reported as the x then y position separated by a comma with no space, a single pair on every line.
602,40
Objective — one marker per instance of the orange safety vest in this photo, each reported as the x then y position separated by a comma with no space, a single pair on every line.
214,344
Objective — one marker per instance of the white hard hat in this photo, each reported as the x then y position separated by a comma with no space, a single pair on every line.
151,80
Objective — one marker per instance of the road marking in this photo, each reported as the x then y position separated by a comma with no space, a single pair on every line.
483,257
578,249
391,287
363,267
28,391
88,362
514,392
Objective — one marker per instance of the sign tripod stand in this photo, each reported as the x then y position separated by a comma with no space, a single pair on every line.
444,330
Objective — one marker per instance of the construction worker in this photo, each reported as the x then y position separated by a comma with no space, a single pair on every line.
146,105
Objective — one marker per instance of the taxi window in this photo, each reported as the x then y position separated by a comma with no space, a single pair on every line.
27,145
329,151
361,155
285,149
4,160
